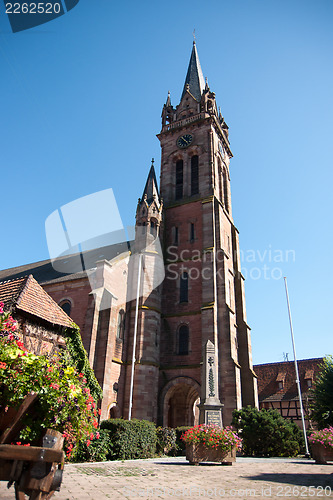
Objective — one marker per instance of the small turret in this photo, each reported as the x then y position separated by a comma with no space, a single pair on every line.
149,212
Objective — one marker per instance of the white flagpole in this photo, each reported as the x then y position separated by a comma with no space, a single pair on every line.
135,334
307,454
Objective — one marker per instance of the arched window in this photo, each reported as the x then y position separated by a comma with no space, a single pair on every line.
179,179
220,174
121,324
66,306
194,175
183,288
183,339
225,190
153,228
192,232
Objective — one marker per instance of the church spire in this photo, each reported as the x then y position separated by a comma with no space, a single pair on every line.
150,192
194,81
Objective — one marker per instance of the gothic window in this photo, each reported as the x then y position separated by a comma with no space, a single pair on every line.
192,232
220,180
183,340
183,289
230,294
121,324
175,235
225,191
153,228
66,306
179,179
194,175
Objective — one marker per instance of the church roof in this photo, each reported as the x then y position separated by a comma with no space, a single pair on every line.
68,267
26,295
194,80
150,192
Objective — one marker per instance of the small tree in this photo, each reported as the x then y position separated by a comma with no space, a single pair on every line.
266,433
322,392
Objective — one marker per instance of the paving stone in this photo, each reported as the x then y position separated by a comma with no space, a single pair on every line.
175,478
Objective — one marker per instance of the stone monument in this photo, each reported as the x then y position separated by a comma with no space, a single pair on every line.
210,405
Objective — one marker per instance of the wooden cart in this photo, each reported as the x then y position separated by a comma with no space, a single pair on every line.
35,471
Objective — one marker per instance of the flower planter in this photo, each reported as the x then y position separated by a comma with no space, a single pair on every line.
321,454
196,453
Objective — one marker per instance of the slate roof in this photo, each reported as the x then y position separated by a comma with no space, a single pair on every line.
65,268
151,188
25,294
194,77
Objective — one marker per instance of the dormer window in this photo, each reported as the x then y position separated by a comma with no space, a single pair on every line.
280,385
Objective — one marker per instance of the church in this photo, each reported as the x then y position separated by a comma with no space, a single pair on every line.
147,308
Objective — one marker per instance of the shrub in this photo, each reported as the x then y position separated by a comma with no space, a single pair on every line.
166,441
97,449
130,438
266,433
180,445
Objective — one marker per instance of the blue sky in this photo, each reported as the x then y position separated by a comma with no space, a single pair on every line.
80,110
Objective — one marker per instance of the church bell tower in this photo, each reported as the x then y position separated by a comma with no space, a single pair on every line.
203,291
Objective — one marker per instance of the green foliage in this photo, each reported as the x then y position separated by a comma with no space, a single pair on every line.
322,393
130,439
179,442
166,441
64,399
266,433
78,358
95,450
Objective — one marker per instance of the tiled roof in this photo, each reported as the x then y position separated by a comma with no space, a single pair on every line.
26,295
10,291
270,374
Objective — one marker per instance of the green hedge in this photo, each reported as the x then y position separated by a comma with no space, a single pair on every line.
130,439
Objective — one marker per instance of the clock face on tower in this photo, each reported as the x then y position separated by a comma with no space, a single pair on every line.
184,140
